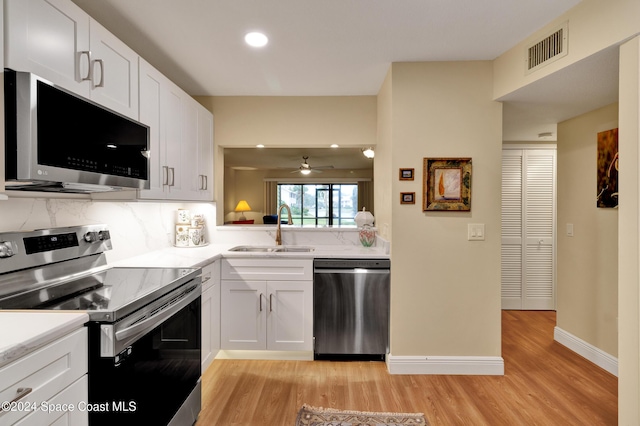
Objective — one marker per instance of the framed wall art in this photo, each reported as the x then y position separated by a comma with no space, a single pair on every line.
608,169
407,198
406,174
446,184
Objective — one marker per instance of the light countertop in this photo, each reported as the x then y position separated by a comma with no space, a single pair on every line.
23,331
192,257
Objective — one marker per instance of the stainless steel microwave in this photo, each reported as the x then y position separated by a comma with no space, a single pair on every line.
58,141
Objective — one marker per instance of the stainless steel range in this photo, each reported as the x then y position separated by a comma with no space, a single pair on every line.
144,323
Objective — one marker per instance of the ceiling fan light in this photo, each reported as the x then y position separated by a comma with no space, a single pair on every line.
368,152
305,171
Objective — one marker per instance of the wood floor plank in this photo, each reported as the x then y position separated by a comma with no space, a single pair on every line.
544,384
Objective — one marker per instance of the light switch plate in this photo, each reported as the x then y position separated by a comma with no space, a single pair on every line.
475,232
569,229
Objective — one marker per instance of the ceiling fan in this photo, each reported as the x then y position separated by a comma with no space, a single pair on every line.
305,168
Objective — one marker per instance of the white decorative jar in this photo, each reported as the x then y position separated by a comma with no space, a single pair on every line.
364,220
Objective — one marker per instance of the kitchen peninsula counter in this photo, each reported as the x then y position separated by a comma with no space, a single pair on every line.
177,257
24,331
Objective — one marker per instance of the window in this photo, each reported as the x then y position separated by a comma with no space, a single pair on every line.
320,204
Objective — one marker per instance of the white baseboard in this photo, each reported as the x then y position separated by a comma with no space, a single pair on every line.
468,365
586,350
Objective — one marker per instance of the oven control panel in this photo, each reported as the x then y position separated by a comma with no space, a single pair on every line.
21,250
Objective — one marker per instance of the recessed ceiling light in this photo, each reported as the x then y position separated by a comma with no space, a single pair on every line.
259,146
256,39
334,145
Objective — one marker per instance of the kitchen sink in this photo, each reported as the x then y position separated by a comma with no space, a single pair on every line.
300,249
272,249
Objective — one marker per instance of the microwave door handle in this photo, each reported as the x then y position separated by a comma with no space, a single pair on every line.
86,53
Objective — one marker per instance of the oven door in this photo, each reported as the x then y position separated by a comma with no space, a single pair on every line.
149,379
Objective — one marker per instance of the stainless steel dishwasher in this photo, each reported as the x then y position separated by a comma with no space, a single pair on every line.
351,308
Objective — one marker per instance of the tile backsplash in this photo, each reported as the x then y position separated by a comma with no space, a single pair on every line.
136,227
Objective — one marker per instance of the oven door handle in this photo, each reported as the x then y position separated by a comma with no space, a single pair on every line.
171,307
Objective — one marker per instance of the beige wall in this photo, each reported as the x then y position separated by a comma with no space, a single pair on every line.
587,271
280,122
593,26
445,289
382,166
628,236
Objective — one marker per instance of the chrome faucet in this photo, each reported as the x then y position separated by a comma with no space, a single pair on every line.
290,222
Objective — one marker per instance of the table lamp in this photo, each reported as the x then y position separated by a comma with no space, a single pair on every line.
243,206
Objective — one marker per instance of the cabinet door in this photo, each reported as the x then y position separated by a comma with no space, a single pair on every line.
189,167
205,153
49,38
150,87
114,72
290,315
243,313
172,116
210,313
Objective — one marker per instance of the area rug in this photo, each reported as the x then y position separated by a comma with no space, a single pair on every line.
318,416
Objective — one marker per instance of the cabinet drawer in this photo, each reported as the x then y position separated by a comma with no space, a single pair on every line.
267,269
47,371
75,395
210,275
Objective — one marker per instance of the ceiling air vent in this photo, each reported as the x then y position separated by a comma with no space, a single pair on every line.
549,49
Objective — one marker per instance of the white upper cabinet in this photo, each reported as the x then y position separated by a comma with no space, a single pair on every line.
205,154
198,141
114,72
181,130
58,41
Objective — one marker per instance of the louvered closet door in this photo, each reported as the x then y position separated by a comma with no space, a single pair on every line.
528,229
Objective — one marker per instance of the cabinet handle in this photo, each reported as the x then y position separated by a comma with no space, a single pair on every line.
165,174
88,53
260,302
271,302
206,182
173,176
22,392
101,62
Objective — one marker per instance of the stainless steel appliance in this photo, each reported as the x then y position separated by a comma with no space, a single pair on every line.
351,308
58,141
144,323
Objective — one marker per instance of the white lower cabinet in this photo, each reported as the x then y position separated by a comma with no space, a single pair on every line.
48,386
267,304
210,313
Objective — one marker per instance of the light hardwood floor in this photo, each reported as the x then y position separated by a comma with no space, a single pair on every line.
544,384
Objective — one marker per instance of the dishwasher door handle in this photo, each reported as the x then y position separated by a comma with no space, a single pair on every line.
352,271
